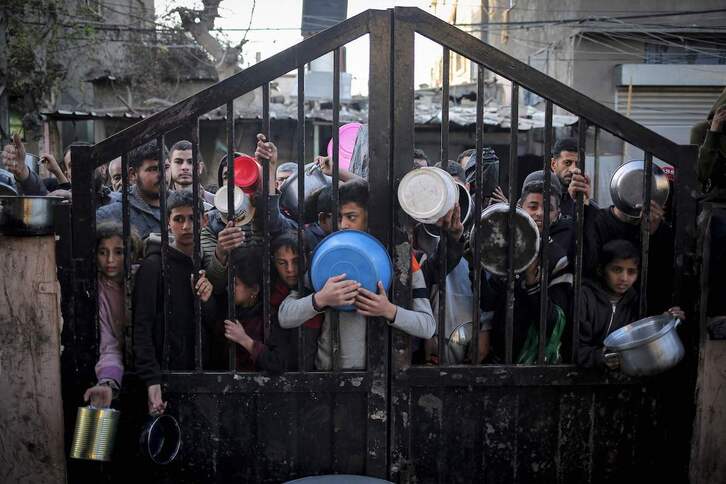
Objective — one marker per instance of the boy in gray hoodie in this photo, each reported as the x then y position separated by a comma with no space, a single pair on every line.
296,309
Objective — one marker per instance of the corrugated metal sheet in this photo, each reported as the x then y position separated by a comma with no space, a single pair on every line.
669,106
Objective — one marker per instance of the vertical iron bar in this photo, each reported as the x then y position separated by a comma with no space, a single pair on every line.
335,319
378,352
645,232
164,228
512,187
579,229
545,242
478,194
125,209
444,156
596,163
300,202
196,256
266,257
231,346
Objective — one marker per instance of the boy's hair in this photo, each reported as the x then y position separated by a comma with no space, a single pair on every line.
618,250
106,230
147,151
538,187
181,198
419,154
320,201
354,191
181,145
454,169
564,144
287,240
247,266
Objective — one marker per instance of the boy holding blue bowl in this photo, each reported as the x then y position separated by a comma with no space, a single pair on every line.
338,291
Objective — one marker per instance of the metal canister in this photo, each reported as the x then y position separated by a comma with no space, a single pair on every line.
95,433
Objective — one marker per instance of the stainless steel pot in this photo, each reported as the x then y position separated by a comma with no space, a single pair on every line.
646,347
313,181
626,187
494,239
457,345
27,215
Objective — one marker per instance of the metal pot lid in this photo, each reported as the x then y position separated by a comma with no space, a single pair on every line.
626,187
640,332
493,239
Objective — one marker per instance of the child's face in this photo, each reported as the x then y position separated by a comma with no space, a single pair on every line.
353,216
181,225
244,295
110,257
286,262
534,206
620,275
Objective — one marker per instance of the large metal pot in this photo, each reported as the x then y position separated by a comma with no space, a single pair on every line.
494,239
646,347
314,180
27,215
626,187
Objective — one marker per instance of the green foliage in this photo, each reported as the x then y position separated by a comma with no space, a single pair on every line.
37,31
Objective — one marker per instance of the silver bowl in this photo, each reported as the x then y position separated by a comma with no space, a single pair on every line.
626,187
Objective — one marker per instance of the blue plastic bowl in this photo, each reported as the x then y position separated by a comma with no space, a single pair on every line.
358,255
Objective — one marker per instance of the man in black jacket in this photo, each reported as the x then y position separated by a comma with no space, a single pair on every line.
149,291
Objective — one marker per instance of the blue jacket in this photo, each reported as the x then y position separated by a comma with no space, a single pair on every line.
143,217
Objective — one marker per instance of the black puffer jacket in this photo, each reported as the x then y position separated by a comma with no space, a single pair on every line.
600,317
602,226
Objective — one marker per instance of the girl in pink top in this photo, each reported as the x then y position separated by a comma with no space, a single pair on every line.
111,314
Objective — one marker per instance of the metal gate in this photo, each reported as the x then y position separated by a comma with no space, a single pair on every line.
479,423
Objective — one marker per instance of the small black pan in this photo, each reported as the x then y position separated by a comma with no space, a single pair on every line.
161,439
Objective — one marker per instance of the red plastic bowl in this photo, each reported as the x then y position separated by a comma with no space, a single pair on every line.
246,173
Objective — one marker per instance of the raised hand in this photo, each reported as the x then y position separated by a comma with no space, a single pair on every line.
14,159
579,184
203,288
229,238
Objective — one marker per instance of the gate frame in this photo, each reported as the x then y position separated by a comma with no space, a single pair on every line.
389,375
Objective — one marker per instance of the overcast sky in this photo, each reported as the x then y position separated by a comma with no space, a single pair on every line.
287,14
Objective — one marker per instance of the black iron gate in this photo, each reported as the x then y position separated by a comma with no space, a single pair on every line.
508,423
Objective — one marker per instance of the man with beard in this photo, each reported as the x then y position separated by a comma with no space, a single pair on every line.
564,165
144,214
180,158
